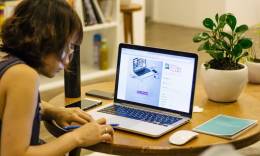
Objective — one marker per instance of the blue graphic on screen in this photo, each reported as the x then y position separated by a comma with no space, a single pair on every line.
143,81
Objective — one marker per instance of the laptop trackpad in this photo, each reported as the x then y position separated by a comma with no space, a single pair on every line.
123,122
137,126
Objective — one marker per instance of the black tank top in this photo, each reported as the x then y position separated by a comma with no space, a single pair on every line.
4,65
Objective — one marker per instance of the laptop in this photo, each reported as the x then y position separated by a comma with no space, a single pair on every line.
154,90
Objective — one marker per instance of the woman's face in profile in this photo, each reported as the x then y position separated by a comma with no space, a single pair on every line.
54,64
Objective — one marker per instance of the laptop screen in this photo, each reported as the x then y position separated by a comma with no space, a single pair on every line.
156,77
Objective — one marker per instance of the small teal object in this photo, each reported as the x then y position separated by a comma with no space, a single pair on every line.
68,128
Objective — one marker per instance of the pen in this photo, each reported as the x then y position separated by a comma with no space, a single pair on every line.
77,126
71,127
114,125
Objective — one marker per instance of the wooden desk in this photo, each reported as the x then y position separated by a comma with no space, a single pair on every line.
247,106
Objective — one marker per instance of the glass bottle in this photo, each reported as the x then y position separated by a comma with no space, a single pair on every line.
103,55
2,7
96,47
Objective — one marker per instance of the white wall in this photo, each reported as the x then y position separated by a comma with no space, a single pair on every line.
149,8
190,13
139,23
246,11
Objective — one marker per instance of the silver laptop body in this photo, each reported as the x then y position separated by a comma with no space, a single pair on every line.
154,90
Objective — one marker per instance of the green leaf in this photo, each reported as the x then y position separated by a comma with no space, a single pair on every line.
231,21
222,21
222,18
217,45
227,35
200,36
243,55
245,43
216,54
237,50
196,38
201,47
216,17
208,23
241,28
204,46
225,45
204,36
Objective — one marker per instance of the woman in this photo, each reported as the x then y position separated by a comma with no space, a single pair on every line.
39,39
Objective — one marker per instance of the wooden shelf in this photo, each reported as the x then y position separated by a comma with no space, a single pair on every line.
109,31
100,26
86,75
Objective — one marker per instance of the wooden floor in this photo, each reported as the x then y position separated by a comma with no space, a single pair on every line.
177,38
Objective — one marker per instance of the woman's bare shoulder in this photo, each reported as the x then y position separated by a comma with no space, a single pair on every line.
20,73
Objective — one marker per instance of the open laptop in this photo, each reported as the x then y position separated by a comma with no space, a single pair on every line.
154,90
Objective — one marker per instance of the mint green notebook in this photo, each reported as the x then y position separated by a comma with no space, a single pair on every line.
225,126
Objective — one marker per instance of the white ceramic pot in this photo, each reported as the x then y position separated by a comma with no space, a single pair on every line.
253,72
224,85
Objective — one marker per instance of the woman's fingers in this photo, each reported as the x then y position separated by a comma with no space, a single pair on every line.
101,121
85,116
80,116
107,138
79,120
106,129
64,124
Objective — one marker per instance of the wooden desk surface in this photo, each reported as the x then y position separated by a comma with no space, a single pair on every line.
247,106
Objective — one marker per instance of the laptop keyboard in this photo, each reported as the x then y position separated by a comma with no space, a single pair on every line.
142,115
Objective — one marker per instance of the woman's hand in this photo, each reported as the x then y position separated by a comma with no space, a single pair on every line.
93,132
66,116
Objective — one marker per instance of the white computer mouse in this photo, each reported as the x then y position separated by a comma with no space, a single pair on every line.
182,136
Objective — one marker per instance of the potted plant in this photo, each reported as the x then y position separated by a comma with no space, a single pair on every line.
223,76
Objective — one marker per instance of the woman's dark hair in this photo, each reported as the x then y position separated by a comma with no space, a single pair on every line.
38,28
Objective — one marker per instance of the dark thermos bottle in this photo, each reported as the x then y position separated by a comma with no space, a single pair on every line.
72,76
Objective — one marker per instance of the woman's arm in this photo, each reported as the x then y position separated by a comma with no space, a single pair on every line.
21,86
